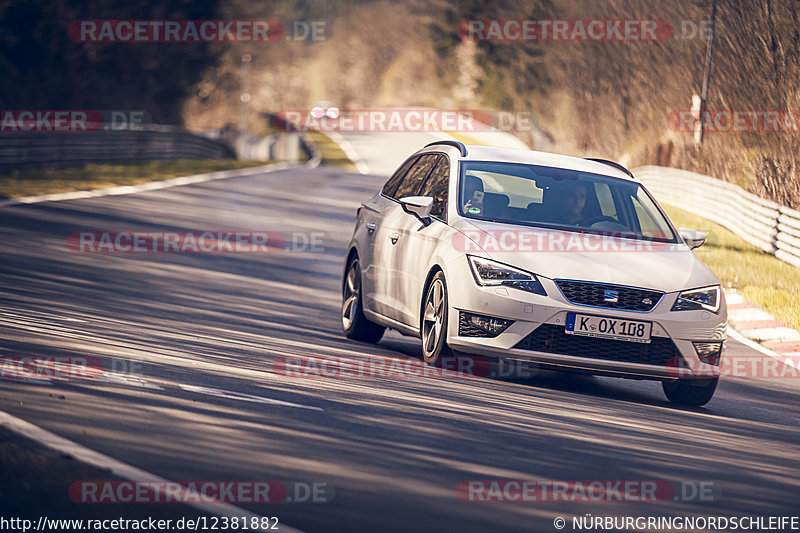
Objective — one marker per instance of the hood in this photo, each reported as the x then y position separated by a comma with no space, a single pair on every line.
557,254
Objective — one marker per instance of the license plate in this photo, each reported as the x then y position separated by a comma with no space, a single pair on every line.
608,328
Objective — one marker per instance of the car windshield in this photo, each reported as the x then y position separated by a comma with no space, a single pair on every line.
560,199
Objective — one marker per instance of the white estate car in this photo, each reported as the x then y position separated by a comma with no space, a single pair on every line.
528,256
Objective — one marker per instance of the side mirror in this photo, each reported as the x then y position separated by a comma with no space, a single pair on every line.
693,238
419,206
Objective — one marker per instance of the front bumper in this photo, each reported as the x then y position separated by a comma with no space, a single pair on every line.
537,334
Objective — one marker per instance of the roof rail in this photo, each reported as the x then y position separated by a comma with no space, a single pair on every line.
610,163
457,144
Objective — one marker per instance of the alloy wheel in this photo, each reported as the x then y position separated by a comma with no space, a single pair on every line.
433,317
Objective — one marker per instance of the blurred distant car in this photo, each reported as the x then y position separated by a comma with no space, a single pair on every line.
469,248
324,109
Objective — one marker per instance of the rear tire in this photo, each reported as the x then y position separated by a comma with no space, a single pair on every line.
433,323
687,392
354,324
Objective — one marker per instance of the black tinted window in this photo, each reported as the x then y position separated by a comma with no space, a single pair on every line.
562,198
413,181
436,186
391,186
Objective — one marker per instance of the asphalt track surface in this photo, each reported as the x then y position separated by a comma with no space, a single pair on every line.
393,449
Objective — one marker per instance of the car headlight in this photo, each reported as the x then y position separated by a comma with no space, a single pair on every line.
488,272
706,298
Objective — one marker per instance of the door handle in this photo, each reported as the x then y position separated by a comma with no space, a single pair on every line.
394,237
371,227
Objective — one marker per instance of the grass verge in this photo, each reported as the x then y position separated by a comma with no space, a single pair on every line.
33,182
331,153
760,277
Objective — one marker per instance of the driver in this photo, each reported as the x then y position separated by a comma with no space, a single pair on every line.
572,200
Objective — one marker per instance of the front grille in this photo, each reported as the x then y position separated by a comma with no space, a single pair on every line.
550,338
593,294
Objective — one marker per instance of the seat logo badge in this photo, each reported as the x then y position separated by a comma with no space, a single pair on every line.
647,301
611,297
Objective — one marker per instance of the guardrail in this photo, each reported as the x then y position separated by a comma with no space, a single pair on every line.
768,225
61,149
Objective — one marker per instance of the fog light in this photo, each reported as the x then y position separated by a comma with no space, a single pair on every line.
709,352
472,325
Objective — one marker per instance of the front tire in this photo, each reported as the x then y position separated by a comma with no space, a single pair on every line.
433,327
685,392
354,324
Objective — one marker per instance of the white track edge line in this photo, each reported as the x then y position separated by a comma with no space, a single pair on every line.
151,185
766,351
349,151
118,468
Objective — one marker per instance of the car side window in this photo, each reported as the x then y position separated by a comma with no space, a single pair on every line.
649,226
394,182
436,186
413,181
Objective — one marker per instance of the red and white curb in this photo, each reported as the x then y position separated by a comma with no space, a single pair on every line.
764,331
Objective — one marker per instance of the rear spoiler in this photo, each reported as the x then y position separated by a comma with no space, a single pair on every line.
611,164
457,144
